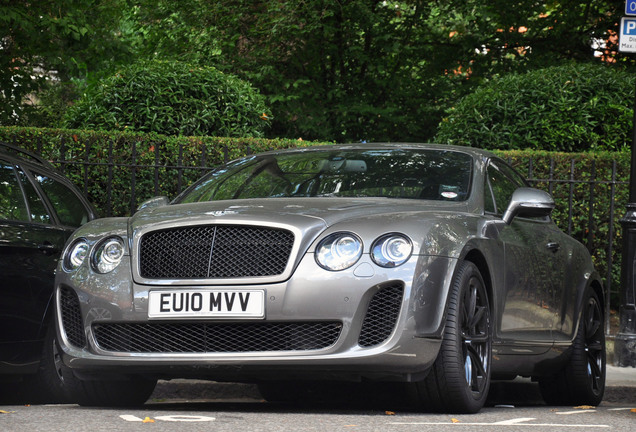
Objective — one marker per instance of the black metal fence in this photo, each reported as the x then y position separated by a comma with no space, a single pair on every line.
597,195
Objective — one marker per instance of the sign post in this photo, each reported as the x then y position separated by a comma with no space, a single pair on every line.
625,342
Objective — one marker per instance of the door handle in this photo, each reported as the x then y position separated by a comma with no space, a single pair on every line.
48,248
553,246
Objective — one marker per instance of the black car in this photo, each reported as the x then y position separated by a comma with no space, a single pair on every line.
39,210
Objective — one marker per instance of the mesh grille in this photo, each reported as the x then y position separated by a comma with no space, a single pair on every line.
215,251
216,337
72,317
382,315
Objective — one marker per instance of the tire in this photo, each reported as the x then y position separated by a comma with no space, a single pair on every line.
47,385
582,380
121,392
459,380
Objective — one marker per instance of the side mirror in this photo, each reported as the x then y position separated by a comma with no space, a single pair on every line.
528,202
159,201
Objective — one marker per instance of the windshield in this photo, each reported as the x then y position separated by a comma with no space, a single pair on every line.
390,173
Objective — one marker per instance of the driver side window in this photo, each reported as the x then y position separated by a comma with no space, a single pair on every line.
501,183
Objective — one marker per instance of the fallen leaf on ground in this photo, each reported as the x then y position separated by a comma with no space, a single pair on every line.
148,420
389,412
584,407
454,420
6,412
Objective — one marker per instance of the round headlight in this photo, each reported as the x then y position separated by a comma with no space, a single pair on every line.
108,255
76,254
339,251
391,250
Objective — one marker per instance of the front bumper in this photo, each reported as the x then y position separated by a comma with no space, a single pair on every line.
403,344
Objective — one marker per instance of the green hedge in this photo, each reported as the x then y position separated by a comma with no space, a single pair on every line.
599,178
106,169
569,108
171,98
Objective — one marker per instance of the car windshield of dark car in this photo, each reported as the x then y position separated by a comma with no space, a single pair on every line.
415,174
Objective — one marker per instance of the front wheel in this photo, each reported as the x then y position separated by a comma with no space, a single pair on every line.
47,385
582,380
460,377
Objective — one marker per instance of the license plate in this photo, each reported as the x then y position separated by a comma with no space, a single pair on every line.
206,303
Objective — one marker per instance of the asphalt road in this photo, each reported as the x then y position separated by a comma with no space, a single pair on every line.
253,416
209,406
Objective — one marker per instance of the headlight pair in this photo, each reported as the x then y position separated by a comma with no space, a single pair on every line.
105,258
341,250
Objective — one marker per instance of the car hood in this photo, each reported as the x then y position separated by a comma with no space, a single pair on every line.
301,212
308,217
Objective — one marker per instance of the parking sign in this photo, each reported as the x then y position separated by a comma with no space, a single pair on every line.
630,7
627,38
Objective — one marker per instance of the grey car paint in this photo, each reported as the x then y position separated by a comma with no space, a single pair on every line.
520,267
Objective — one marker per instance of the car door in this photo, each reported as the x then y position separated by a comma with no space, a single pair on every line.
533,266
32,237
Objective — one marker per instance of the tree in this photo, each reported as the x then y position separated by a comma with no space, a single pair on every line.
371,69
171,98
344,71
570,108
45,43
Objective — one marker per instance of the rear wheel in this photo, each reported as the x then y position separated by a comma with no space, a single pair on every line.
582,380
460,377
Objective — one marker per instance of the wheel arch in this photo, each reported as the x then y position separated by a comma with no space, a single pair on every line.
478,258
596,286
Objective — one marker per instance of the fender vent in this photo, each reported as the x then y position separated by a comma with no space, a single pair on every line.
382,315
71,314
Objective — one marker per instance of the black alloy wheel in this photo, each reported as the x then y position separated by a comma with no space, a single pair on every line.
582,380
460,378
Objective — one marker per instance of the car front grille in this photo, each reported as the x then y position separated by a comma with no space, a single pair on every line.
382,315
214,251
72,317
215,337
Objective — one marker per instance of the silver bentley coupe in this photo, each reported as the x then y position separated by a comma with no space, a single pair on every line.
432,266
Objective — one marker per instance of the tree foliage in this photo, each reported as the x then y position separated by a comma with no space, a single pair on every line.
569,108
370,69
45,43
171,98
344,71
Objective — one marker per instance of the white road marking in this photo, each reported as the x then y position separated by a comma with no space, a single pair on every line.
130,418
574,412
185,418
523,421
170,418
515,421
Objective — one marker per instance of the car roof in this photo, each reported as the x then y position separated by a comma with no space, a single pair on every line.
475,152
15,153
